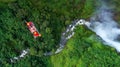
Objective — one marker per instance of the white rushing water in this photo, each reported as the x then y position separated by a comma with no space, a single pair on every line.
66,35
106,27
69,33
23,54
103,25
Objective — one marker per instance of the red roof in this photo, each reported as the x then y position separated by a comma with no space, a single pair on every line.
33,29
36,33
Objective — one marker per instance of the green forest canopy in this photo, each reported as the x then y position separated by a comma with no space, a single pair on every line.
51,18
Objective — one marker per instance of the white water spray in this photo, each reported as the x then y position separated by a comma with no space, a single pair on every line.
103,25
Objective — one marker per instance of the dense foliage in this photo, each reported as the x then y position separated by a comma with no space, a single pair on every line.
84,49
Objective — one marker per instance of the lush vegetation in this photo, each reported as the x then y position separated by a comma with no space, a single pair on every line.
84,49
